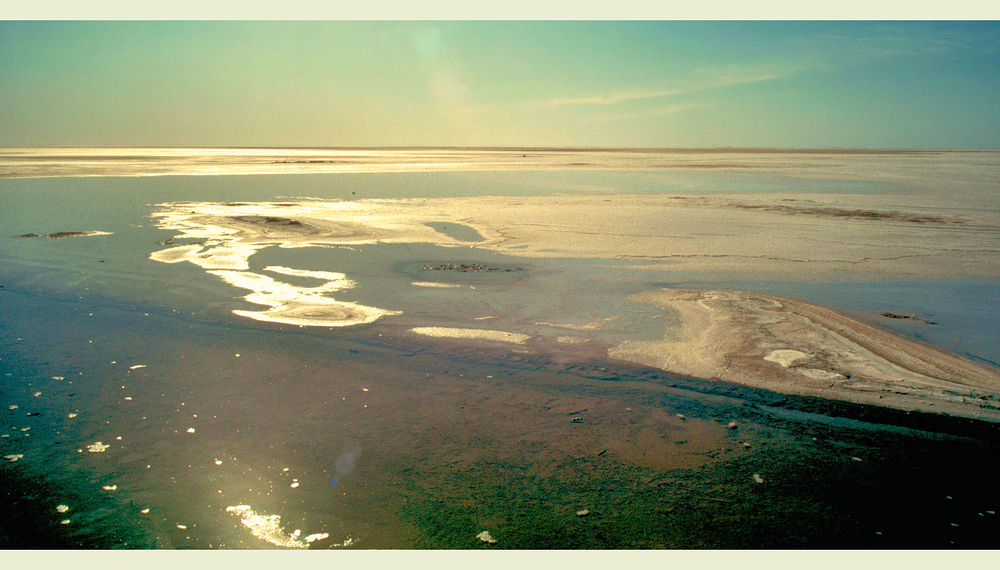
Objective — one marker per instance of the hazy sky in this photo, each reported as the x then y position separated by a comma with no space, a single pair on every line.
677,84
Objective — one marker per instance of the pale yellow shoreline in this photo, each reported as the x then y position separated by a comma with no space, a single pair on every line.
84,162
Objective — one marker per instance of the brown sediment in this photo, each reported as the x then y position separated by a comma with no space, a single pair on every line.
58,235
848,213
467,268
891,315
790,346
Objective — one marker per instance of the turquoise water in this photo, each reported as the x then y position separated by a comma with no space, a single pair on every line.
432,442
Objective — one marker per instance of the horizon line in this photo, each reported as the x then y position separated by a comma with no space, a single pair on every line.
747,149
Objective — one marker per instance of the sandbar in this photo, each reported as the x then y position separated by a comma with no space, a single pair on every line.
473,334
793,347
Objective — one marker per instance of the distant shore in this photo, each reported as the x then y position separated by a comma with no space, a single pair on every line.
137,161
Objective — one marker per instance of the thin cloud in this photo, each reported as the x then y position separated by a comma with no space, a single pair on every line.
705,80
605,99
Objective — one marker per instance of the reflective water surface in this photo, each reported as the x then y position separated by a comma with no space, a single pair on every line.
140,395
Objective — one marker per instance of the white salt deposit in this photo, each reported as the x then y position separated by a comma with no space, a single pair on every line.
434,284
785,357
477,334
486,537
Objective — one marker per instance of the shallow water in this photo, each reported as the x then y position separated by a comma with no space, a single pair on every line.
431,441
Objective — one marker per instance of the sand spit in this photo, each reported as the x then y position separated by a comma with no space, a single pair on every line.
793,347
473,334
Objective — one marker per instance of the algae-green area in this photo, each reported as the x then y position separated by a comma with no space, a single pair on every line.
846,489
99,520
629,508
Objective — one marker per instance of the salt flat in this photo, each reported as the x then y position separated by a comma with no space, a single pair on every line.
920,232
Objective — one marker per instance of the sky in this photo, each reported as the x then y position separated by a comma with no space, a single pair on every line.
812,84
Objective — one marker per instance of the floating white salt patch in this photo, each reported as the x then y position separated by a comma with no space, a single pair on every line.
13,458
483,334
110,487
757,478
268,528
573,327
97,447
13,407
571,340
583,512
70,416
62,508
230,256
433,284
190,430
303,306
785,357
485,537
136,366
321,536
